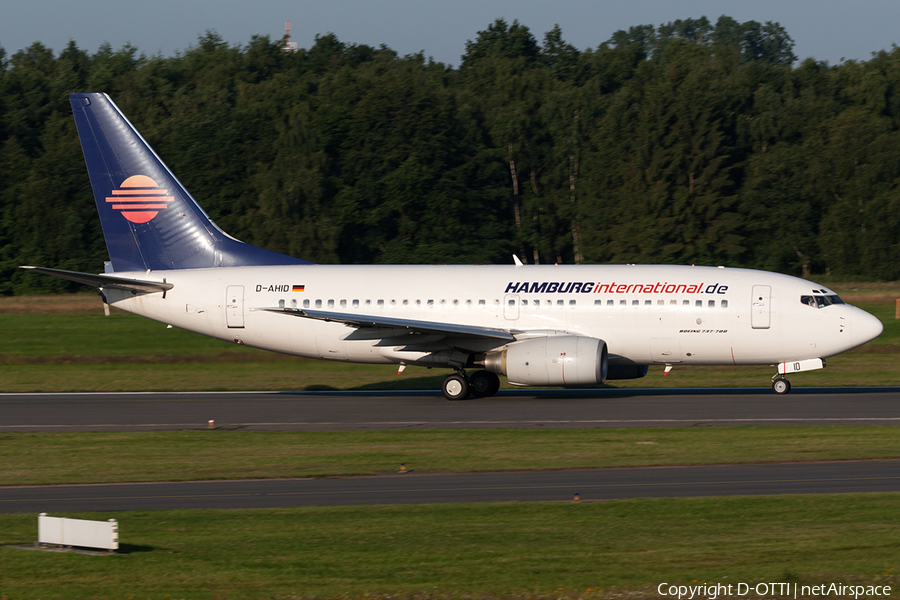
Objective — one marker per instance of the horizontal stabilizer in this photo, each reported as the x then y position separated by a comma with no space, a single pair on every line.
106,281
424,327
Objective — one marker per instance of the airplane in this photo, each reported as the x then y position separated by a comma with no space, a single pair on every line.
538,325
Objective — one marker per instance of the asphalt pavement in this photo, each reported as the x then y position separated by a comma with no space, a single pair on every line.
319,411
414,488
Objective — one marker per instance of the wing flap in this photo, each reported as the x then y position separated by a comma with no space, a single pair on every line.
393,323
106,281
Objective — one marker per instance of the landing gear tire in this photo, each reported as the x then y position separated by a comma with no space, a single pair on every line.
455,387
484,384
781,386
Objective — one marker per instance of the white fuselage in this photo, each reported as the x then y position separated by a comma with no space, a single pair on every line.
645,314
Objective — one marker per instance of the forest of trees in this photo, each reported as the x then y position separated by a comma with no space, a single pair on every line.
691,143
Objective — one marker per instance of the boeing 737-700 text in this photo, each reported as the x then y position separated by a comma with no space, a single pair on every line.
539,325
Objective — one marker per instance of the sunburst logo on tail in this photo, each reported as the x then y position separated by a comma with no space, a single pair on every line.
139,199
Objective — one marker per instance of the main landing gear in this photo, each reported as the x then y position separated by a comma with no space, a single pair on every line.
480,384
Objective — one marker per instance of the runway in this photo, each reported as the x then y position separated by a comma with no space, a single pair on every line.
528,486
318,411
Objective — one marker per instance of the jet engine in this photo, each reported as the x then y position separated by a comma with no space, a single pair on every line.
568,360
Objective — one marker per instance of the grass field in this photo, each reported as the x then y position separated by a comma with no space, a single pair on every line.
494,550
64,344
35,458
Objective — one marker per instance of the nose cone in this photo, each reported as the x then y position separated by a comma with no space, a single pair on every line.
864,327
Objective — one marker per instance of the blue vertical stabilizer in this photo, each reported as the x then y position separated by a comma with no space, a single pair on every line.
149,220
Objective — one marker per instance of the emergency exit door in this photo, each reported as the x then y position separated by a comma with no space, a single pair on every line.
760,304
234,306
511,307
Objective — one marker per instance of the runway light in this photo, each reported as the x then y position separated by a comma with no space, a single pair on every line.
212,424
403,467
576,497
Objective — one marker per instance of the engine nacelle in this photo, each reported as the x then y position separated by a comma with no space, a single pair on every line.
568,360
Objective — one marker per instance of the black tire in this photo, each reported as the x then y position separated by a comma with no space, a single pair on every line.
781,386
483,384
455,387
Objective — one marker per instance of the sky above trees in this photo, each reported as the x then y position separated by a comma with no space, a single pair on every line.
823,29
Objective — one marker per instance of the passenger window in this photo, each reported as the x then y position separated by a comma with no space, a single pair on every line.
430,303
524,302
306,304
355,303
468,303
648,302
686,303
512,302
560,302
331,304
673,302
598,303
699,303
455,303
281,304
660,302
537,303
318,304
635,302
610,302
623,302
294,303
381,304
572,302
712,303
724,303
406,303
368,303
481,303
343,304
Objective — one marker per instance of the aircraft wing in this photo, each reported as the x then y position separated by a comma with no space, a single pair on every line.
410,325
106,281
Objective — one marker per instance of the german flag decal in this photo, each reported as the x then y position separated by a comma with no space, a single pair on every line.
298,288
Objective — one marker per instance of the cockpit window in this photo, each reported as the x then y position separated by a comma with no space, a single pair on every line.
818,301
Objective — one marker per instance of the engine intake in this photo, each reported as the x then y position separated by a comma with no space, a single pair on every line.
567,360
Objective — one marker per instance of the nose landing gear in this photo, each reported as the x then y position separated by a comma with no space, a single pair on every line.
780,385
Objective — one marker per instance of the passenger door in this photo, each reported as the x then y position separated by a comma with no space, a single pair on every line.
234,306
760,317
